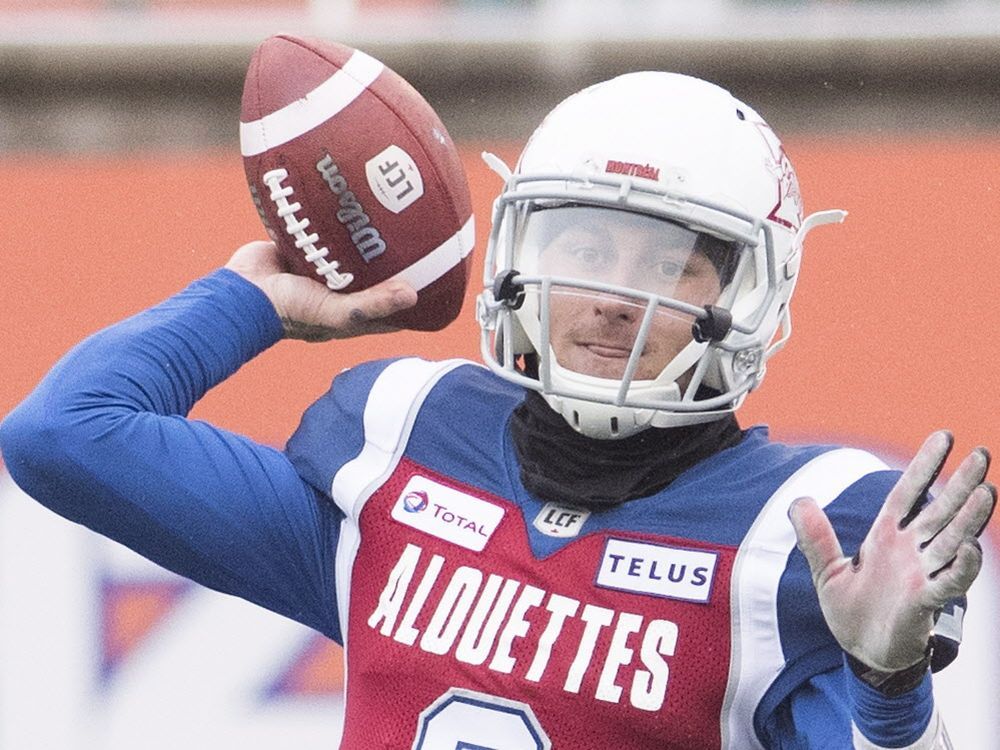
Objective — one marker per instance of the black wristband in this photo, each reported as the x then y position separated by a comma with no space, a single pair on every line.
891,684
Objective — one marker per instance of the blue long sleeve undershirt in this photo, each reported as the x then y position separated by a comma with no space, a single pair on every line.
104,441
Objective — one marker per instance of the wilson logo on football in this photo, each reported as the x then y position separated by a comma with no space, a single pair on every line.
351,215
446,513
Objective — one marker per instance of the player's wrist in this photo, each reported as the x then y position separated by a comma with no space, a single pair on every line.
891,683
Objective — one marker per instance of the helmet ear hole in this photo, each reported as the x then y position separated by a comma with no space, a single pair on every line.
520,343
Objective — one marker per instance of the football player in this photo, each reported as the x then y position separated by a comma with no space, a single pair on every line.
576,546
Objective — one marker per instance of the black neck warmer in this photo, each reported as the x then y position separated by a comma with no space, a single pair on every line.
561,465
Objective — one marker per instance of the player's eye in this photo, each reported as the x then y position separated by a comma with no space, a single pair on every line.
671,269
589,257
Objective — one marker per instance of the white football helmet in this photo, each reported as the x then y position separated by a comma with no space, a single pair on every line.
623,197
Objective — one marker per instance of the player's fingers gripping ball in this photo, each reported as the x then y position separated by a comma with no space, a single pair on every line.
355,177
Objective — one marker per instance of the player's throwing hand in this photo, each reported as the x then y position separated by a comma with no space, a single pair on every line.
880,605
308,309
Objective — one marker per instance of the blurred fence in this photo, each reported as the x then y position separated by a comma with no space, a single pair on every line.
107,75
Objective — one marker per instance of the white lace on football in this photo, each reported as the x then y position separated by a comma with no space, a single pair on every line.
296,228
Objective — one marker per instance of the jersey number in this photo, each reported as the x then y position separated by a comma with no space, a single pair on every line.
467,720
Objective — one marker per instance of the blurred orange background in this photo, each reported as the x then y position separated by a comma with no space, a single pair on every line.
896,314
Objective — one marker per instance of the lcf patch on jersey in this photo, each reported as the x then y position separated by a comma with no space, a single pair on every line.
561,520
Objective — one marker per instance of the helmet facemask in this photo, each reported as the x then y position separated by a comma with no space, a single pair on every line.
605,303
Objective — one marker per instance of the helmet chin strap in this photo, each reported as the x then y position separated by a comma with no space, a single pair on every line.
607,421
603,421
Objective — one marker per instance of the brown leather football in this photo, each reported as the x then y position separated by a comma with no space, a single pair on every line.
354,175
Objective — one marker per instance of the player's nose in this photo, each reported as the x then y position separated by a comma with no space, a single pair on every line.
616,308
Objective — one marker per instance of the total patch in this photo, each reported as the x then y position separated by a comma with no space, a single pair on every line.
446,513
657,570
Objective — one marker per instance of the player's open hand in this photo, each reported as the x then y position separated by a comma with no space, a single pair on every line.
308,309
881,605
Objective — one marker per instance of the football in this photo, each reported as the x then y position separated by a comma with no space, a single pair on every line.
354,176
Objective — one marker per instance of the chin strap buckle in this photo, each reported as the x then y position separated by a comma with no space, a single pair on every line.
714,326
507,291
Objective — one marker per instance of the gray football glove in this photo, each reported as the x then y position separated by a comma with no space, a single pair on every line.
881,605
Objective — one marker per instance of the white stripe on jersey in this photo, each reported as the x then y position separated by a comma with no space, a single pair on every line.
757,657
391,408
312,110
